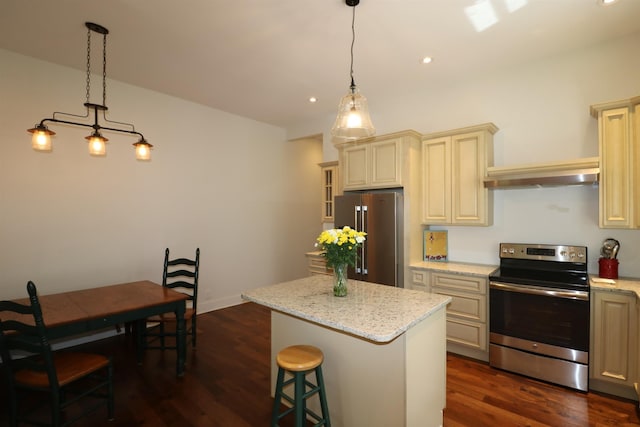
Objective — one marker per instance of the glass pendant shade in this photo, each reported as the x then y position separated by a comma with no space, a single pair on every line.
353,120
97,144
41,138
143,150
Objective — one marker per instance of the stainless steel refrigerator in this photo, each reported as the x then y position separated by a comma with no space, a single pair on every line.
379,214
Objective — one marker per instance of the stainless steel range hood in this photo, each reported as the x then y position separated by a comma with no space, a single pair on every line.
573,172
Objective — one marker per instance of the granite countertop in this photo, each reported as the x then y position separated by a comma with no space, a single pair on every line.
374,312
456,267
630,285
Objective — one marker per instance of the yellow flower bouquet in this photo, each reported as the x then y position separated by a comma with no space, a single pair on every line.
341,245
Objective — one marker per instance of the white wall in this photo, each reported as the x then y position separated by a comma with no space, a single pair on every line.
234,187
542,111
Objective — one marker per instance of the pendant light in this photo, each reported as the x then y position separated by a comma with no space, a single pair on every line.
353,120
41,140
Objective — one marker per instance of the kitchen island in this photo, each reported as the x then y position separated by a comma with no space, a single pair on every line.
384,348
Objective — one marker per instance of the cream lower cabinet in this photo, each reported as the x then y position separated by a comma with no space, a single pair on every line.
454,164
317,264
619,146
379,162
467,324
613,354
419,280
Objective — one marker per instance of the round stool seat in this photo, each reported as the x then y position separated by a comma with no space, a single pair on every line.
298,358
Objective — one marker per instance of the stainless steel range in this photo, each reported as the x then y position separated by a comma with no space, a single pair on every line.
539,313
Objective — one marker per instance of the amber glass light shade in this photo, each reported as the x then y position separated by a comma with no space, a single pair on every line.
97,144
143,150
41,138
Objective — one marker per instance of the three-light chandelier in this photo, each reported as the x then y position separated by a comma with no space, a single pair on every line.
41,140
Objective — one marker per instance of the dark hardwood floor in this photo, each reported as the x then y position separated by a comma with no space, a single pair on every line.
227,385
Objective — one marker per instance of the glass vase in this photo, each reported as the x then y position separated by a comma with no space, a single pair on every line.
340,280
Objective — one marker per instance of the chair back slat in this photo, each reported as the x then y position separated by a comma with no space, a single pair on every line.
181,261
15,307
178,273
181,284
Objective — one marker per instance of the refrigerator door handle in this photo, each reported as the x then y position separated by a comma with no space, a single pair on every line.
357,222
365,212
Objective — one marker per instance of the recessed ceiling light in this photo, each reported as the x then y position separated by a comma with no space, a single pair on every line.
427,60
606,2
313,99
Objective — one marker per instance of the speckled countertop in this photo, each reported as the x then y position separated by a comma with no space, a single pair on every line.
623,284
455,267
630,285
375,312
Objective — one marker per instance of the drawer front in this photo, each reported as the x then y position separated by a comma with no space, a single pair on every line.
420,277
466,306
470,334
318,265
459,282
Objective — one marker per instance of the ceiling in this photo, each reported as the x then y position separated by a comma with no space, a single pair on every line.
263,59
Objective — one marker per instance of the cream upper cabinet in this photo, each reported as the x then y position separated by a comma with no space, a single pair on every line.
436,180
613,358
378,162
619,146
454,165
329,187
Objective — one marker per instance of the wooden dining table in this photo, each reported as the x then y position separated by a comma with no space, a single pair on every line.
77,312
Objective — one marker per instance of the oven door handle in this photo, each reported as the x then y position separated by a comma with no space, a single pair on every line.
535,290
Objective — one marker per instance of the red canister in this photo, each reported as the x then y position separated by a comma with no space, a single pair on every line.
608,268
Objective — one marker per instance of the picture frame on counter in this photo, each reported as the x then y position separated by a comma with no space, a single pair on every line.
435,246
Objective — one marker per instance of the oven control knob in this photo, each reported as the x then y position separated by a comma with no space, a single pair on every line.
563,254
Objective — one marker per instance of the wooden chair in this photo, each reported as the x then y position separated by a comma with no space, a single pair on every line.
77,383
180,274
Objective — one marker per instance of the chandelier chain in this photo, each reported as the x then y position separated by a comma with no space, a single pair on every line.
104,70
88,65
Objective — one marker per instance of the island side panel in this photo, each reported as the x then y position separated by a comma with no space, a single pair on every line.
365,381
427,371
400,383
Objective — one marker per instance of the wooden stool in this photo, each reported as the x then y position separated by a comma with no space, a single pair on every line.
299,360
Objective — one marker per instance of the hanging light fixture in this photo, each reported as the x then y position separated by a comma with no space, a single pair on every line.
41,140
353,120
